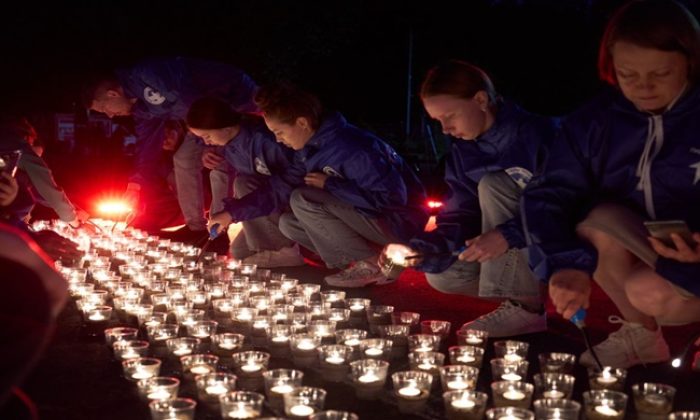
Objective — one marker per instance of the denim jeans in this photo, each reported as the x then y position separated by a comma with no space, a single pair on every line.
187,164
506,276
261,233
332,228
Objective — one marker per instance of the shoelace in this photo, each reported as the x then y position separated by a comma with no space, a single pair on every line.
618,337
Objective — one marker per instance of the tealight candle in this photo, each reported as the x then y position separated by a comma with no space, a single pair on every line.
368,377
604,404
512,394
241,405
464,405
304,401
279,382
412,389
608,378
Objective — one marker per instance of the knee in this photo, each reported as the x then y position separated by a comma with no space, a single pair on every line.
286,224
648,293
495,184
299,199
242,185
446,284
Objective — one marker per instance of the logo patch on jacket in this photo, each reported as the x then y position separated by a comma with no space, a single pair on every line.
520,176
152,96
261,168
331,172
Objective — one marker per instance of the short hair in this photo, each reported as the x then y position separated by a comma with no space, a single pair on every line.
210,113
659,24
97,85
457,78
286,102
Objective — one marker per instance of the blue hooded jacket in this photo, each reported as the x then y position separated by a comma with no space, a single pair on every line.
609,151
514,144
165,89
254,151
367,173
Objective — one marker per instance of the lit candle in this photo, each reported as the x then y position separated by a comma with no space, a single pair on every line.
227,344
458,384
200,369
426,366
474,340
141,374
553,394
251,367
464,403
96,317
335,359
281,389
352,342
373,351
306,345
512,357
368,377
301,410
159,394
511,376
280,339
514,395
356,307
182,350
409,391
216,389
655,399
606,377
398,258
243,412
606,410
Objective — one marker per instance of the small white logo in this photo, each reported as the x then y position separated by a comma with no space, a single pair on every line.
261,168
331,172
152,96
520,176
696,166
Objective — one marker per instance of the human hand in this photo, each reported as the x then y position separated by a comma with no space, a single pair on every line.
211,159
316,179
397,253
570,290
222,219
683,252
132,195
8,189
485,247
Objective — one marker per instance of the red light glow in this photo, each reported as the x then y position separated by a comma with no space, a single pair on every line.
113,207
434,204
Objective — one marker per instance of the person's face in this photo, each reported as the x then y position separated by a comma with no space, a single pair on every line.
112,103
465,119
648,77
217,136
295,136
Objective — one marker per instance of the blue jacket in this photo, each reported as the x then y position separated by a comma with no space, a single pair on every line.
254,151
598,158
366,172
514,144
165,89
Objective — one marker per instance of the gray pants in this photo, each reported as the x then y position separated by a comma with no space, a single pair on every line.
332,228
506,276
187,163
261,233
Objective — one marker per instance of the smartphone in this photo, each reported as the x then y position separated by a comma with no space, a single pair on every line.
662,230
9,161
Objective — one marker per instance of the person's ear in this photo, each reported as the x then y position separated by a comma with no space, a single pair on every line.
482,98
303,123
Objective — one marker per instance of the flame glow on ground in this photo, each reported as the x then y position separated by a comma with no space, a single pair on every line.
113,207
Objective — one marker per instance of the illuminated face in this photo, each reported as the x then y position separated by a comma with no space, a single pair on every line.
295,136
112,103
217,136
651,79
465,119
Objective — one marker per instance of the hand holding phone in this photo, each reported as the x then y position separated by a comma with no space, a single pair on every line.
662,230
9,162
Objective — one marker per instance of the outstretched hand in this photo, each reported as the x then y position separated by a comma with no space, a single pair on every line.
570,290
683,251
485,247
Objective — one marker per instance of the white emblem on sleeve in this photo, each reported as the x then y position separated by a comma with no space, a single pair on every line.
261,168
152,96
331,172
520,176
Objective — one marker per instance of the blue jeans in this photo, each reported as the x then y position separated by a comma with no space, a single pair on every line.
506,276
187,163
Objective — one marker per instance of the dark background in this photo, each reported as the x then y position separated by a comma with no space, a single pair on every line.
355,54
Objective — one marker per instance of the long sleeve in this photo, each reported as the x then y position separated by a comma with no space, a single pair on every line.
43,182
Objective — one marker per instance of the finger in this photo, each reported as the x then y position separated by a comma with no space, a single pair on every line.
659,247
681,246
570,310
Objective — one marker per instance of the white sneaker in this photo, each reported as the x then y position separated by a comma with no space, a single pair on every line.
285,257
360,274
631,345
509,319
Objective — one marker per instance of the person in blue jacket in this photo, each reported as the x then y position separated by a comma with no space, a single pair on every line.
359,193
160,90
631,154
259,166
478,247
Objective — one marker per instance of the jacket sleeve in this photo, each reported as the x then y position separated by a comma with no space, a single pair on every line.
273,194
43,182
150,134
557,200
459,220
375,183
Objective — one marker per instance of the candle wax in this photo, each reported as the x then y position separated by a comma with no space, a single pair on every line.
301,410
466,358
463,403
458,384
282,389
606,410
335,360
368,377
409,391
200,369
216,389
511,377
513,394
554,394
251,367
373,351
306,345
